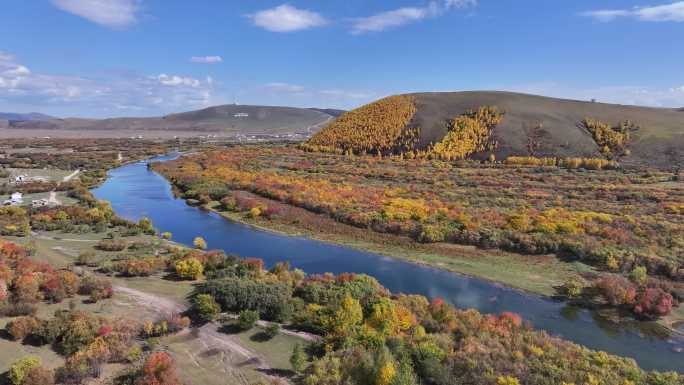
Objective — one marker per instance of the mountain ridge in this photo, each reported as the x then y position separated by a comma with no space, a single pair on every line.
230,118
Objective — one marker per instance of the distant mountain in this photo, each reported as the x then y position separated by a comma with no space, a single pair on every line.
330,111
22,117
555,124
226,119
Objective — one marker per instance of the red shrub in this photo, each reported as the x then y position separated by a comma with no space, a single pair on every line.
3,290
654,303
256,264
26,288
159,369
617,290
22,327
52,288
104,330
511,318
12,250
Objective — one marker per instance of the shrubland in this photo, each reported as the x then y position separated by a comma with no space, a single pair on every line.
86,340
616,220
371,336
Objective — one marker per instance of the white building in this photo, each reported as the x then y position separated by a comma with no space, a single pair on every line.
15,200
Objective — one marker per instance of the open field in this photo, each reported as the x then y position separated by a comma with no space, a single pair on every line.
20,133
52,175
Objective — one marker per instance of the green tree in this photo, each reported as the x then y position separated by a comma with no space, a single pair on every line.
298,359
639,275
247,319
206,307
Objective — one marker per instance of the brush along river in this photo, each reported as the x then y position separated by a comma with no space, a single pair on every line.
136,192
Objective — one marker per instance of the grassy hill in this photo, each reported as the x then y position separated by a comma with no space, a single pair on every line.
531,125
27,116
230,119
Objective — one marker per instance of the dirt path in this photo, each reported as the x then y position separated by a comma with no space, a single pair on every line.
53,199
303,335
149,301
68,177
208,335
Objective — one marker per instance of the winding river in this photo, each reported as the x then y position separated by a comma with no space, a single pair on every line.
136,192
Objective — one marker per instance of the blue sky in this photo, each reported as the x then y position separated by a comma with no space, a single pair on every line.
99,58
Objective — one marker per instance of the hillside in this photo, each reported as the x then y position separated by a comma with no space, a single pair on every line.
531,125
226,119
27,116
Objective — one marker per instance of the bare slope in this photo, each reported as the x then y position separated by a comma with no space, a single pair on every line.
229,119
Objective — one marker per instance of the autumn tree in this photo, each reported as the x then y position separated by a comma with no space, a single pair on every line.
21,327
159,369
199,243
20,369
190,268
344,324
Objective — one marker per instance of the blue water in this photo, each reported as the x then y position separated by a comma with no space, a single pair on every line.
136,192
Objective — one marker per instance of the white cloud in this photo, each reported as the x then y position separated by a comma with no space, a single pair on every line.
110,13
668,12
406,15
460,3
672,97
106,95
389,19
206,59
174,80
283,87
286,18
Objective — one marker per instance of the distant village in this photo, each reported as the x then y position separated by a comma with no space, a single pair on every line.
17,198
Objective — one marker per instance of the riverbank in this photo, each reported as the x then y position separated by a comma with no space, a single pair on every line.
538,274
136,191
